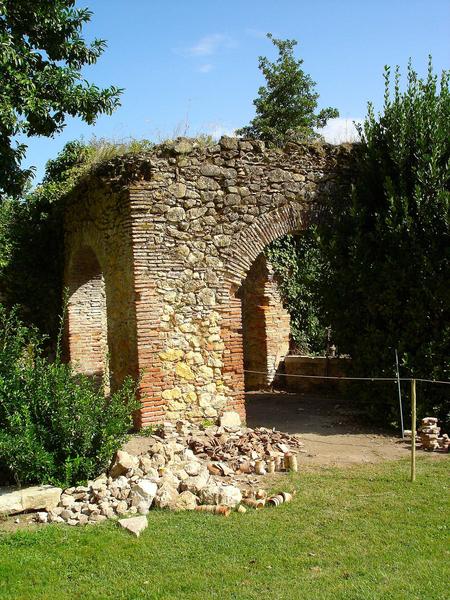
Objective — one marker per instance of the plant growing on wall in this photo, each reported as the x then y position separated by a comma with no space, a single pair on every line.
286,105
286,109
42,54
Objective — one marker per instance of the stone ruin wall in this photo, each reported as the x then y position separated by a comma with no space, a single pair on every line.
176,233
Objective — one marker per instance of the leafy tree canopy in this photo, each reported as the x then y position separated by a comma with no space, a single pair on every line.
388,246
287,105
42,52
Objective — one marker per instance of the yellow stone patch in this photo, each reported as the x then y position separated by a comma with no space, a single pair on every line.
191,397
183,370
172,354
172,394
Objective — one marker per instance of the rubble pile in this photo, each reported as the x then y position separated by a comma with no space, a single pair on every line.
430,438
184,466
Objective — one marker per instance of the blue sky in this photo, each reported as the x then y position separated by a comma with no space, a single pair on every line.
191,65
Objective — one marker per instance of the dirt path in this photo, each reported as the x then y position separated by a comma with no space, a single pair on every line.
330,429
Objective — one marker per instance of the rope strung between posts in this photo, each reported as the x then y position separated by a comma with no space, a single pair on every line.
348,378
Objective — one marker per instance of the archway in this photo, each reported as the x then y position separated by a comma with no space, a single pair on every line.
265,326
87,331
242,255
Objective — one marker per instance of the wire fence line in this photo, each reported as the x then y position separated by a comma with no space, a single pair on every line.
395,379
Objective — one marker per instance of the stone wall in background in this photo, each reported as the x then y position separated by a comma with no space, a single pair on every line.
176,233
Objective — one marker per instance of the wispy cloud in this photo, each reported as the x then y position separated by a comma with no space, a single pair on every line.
340,130
217,129
210,44
206,68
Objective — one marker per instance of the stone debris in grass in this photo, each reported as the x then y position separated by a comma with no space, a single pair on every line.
134,525
183,466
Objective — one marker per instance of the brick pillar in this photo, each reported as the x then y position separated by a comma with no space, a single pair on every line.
231,333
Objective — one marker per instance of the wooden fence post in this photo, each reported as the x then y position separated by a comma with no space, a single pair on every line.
413,429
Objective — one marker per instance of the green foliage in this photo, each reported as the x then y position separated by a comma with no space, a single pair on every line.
42,55
31,231
55,427
298,263
286,106
389,246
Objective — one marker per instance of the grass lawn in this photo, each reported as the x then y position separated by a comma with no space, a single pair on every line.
358,533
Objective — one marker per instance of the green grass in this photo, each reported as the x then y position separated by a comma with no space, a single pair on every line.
360,533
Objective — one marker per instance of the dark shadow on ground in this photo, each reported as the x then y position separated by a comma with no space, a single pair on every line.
319,413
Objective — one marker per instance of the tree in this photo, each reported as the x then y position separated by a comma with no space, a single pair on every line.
287,104
388,246
42,53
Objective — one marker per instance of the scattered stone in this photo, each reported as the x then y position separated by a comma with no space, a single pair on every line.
38,497
230,419
42,517
123,462
185,467
229,495
134,525
186,501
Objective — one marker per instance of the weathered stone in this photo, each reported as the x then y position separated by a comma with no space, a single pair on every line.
123,462
183,146
146,489
197,218
229,143
122,507
185,501
197,483
175,214
230,419
184,371
166,497
178,190
42,517
134,525
14,501
229,495
193,468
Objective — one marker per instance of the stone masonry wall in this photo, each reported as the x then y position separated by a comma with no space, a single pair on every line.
176,232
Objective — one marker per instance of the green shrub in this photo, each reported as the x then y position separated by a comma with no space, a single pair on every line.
55,427
388,246
298,263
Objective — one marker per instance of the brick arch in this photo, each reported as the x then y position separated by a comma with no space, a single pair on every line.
245,252
87,331
249,244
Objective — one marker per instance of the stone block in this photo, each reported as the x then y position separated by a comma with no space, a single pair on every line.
38,497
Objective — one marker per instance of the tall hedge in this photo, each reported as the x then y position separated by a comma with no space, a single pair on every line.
387,284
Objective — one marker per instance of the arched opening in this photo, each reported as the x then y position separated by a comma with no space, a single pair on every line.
265,326
87,332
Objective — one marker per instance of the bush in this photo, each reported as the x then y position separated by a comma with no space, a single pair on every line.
55,427
388,246
298,263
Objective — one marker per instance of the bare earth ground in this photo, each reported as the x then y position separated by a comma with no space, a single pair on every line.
330,428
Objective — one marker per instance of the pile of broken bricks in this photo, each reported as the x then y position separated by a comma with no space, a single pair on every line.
184,466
